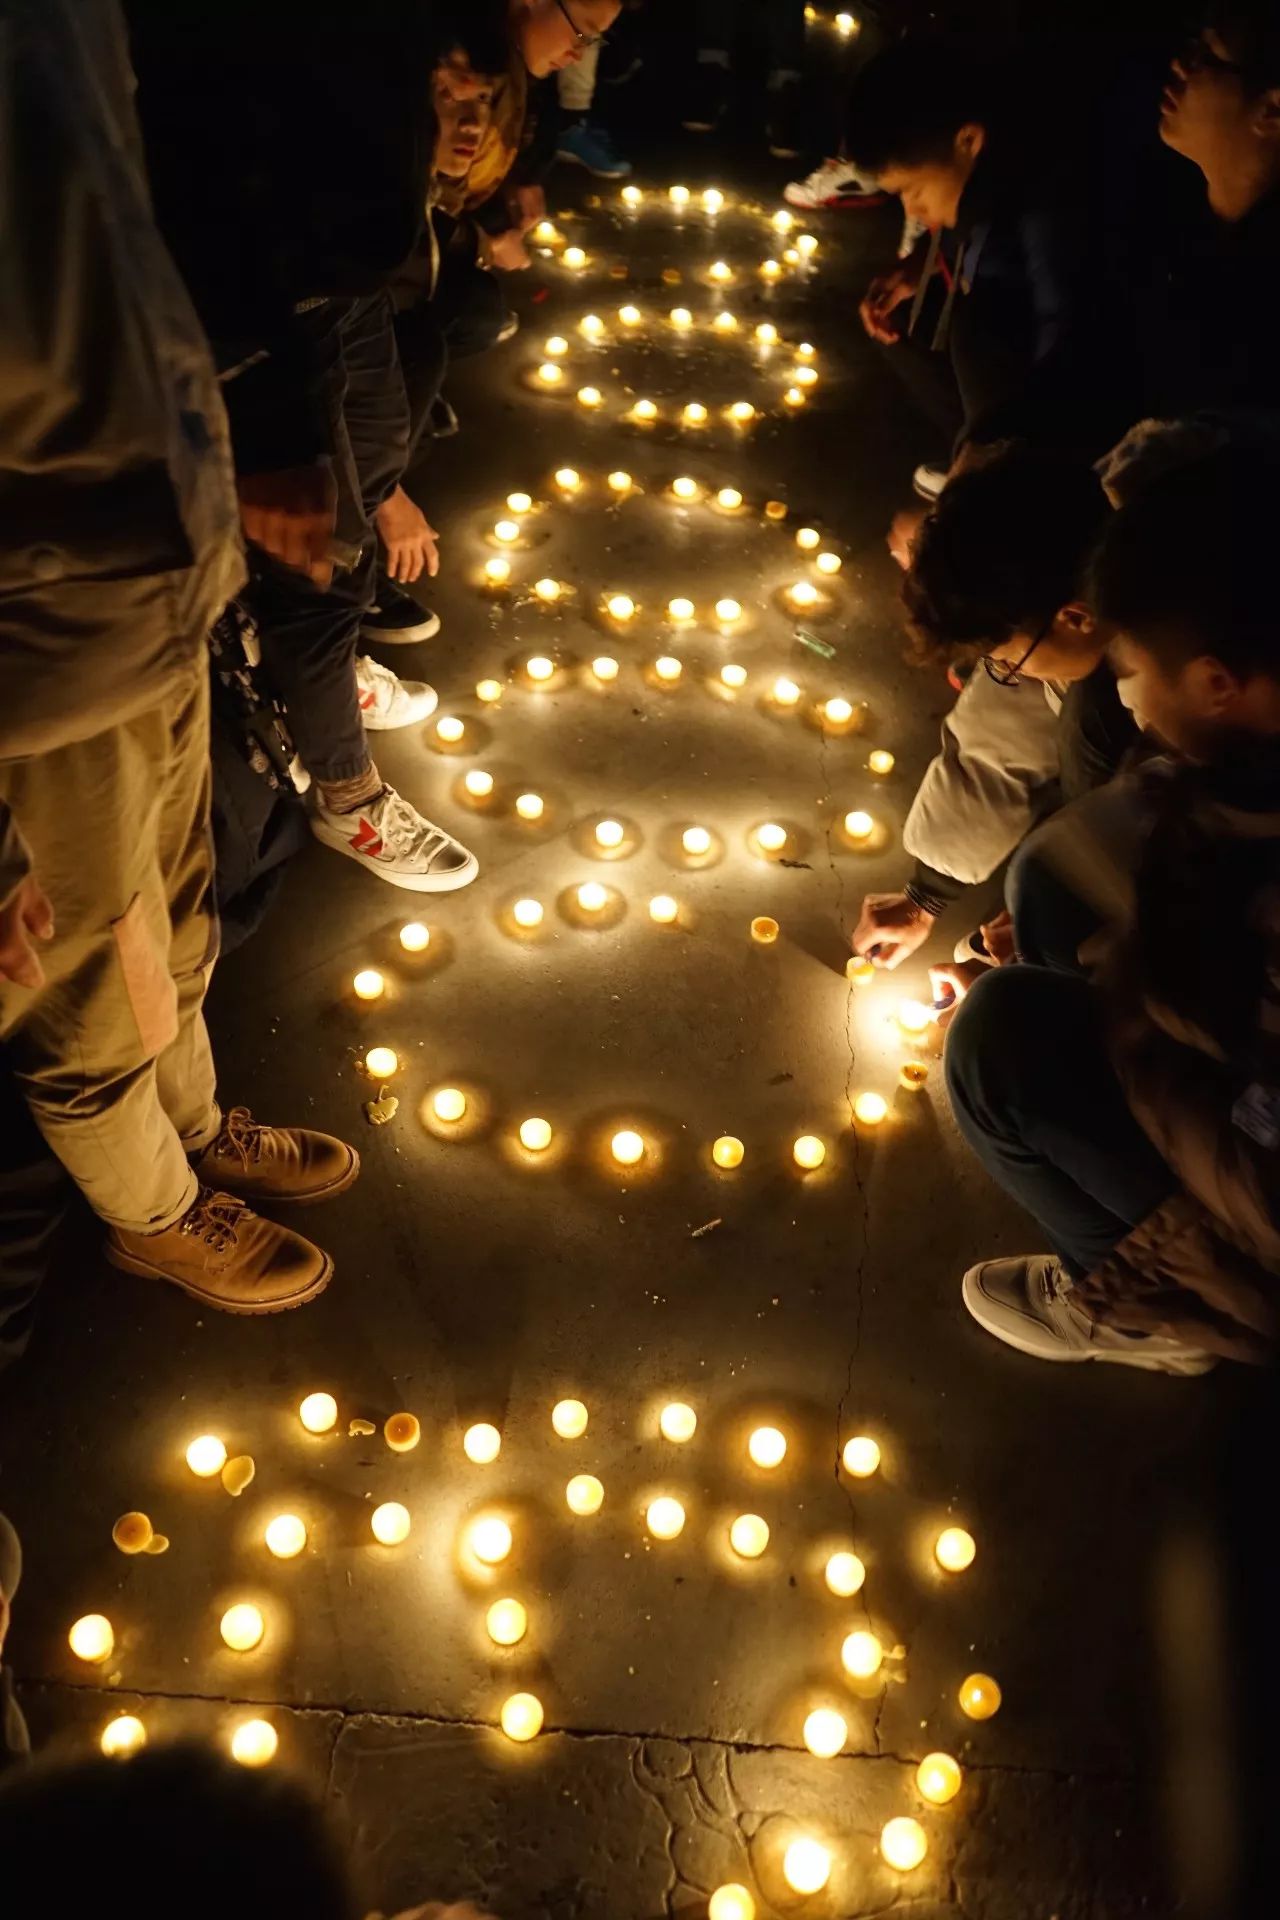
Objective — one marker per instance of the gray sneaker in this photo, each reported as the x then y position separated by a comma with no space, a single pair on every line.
1027,1303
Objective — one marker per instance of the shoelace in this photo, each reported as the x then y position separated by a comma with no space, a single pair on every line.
213,1217
405,833
241,1135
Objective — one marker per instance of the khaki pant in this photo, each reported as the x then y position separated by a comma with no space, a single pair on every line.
112,1053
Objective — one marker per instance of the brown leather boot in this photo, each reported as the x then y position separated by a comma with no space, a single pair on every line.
275,1163
222,1253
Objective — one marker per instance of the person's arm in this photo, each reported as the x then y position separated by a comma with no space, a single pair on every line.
1070,365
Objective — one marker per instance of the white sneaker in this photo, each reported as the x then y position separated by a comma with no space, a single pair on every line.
928,482
395,842
833,184
387,701
1027,1304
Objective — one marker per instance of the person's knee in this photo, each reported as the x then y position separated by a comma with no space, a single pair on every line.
1008,1038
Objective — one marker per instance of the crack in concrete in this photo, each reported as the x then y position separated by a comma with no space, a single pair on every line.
651,1793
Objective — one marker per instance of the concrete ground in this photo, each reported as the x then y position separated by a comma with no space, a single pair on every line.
478,1282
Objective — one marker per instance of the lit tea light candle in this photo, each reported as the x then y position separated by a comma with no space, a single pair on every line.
696,841
979,1696
569,1419
620,606
837,711
769,269
804,376
807,538
794,397
522,1716
574,257
604,667
846,23
664,908
767,334
861,1654
771,837
695,414
414,937
782,221
538,667
828,563
791,257
870,1109
680,609
530,806
592,897
591,325
550,374
506,530
859,970
568,479
809,1152
497,571
379,1063
803,593
627,1147
785,692
668,668
742,413
319,1411
844,1574
664,1518
728,1151
914,1017
825,1732
955,1549
478,783
482,1443
859,825
938,1778
555,349
590,397
880,760
527,913
620,482
547,588
450,729
903,1843
749,1536
680,318
806,245
122,1737
728,611
678,196
767,1447
806,350
506,1623
285,1536
490,1539
630,316
677,1423
713,200
535,1135
92,1638
545,233
390,1523
520,502
764,929
206,1455
729,498
861,1456
488,691
733,675
644,410
584,1494
610,833
725,322
731,1902
631,196
254,1743
684,487
449,1104
806,1866
242,1627
720,271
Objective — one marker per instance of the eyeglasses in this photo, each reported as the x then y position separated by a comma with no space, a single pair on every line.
1007,673
1197,56
581,40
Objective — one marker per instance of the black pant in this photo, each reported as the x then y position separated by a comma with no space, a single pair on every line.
464,316
310,634
716,24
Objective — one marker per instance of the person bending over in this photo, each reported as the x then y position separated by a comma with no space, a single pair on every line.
1135,1114
997,578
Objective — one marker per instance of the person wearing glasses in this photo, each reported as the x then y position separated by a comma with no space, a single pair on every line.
995,580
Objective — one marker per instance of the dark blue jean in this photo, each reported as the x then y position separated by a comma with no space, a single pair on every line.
1037,1098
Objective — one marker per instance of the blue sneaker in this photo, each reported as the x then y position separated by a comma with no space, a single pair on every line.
591,147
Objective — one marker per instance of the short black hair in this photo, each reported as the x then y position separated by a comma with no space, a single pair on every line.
1005,547
480,29
211,1838
1250,30
909,103
1188,567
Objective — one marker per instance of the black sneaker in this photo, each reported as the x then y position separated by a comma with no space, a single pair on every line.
397,620
707,97
785,120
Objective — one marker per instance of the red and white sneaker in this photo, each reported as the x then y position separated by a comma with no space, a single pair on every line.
833,184
397,844
387,701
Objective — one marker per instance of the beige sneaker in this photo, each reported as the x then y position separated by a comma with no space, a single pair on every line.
225,1255
275,1163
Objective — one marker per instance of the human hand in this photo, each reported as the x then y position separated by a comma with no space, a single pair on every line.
508,251
903,530
26,918
409,538
950,984
887,291
890,928
998,937
528,205
290,515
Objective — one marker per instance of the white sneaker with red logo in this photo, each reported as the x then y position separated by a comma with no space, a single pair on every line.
396,843
387,701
